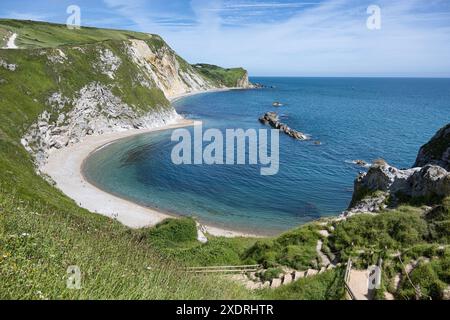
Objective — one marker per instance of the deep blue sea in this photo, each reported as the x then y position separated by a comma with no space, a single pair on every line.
353,118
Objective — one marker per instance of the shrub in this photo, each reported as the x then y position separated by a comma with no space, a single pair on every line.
173,232
270,274
426,280
295,249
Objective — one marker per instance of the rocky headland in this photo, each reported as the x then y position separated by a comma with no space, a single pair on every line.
383,186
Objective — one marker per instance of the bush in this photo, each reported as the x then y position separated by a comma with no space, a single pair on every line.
393,230
439,224
270,274
296,249
326,286
173,232
426,280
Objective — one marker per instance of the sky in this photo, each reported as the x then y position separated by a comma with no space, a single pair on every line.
278,38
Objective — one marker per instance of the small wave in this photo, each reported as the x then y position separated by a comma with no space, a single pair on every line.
355,162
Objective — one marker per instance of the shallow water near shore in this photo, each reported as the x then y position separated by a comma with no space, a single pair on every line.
353,118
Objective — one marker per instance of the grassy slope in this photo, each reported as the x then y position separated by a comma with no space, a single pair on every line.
42,232
4,35
408,231
32,34
295,249
177,239
221,76
326,286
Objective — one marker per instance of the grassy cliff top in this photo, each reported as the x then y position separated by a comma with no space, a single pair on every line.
34,34
228,77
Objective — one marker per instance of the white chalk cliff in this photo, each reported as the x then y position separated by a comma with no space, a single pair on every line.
100,106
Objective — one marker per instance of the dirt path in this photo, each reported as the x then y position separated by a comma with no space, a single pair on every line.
323,258
11,44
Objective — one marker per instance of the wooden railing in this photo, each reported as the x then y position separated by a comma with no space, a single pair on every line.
226,269
347,279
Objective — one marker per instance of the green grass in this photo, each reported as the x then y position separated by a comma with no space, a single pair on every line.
42,232
396,229
430,278
269,274
295,249
221,76
4,36
177,239
325,286
408,231
33,34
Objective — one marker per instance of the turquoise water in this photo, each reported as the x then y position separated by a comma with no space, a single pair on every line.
354,118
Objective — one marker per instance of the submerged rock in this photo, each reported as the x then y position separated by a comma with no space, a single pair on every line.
361,163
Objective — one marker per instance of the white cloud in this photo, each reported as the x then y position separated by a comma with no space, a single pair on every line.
330,38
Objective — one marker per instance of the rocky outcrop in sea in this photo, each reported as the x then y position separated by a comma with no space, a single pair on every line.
272,119
383,185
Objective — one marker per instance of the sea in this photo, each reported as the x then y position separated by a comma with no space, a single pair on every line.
346,119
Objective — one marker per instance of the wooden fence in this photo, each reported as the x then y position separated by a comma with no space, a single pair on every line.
226,269
347,279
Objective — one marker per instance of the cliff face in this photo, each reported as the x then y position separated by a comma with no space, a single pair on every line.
90,86
427,180
165,70
436,151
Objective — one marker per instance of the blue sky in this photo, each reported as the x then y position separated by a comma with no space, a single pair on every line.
270,37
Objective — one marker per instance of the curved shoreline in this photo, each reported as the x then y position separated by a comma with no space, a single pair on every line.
64,166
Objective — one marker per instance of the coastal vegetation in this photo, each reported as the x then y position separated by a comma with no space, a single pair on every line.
43,232
35,34
177,239
229,77
325,286
294,249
